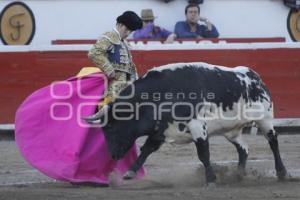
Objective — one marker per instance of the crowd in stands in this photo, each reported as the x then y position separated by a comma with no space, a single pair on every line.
194,26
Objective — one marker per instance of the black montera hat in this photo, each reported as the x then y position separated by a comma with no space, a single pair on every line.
131,20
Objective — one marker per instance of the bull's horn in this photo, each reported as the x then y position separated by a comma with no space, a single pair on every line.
96,117
92,118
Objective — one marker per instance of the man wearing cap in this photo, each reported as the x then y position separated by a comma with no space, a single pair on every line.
150,31
111,54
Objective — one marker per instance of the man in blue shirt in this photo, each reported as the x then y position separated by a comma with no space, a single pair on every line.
191,29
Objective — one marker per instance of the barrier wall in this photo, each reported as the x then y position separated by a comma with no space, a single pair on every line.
28,69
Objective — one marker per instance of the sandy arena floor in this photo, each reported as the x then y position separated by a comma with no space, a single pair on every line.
174,172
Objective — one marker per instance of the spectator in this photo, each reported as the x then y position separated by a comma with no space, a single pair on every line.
191,29
150,31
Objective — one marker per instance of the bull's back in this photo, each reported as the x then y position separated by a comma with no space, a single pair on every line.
217,84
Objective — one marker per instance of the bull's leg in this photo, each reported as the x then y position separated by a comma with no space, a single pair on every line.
152,144
204,156
199,132
242,149
266,127
279,166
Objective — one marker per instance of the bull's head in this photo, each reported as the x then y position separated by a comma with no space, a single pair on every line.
120,135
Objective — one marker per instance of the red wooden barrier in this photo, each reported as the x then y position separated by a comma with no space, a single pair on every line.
23,72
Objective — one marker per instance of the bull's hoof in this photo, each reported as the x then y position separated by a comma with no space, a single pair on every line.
211,185
282,175
241,172
129,175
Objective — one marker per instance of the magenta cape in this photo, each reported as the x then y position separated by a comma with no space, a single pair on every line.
50,134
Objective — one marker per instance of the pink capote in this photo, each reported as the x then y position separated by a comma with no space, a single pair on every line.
60,147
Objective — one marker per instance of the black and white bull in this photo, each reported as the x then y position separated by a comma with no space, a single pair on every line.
188,102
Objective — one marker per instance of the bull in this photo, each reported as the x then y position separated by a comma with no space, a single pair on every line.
189,102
